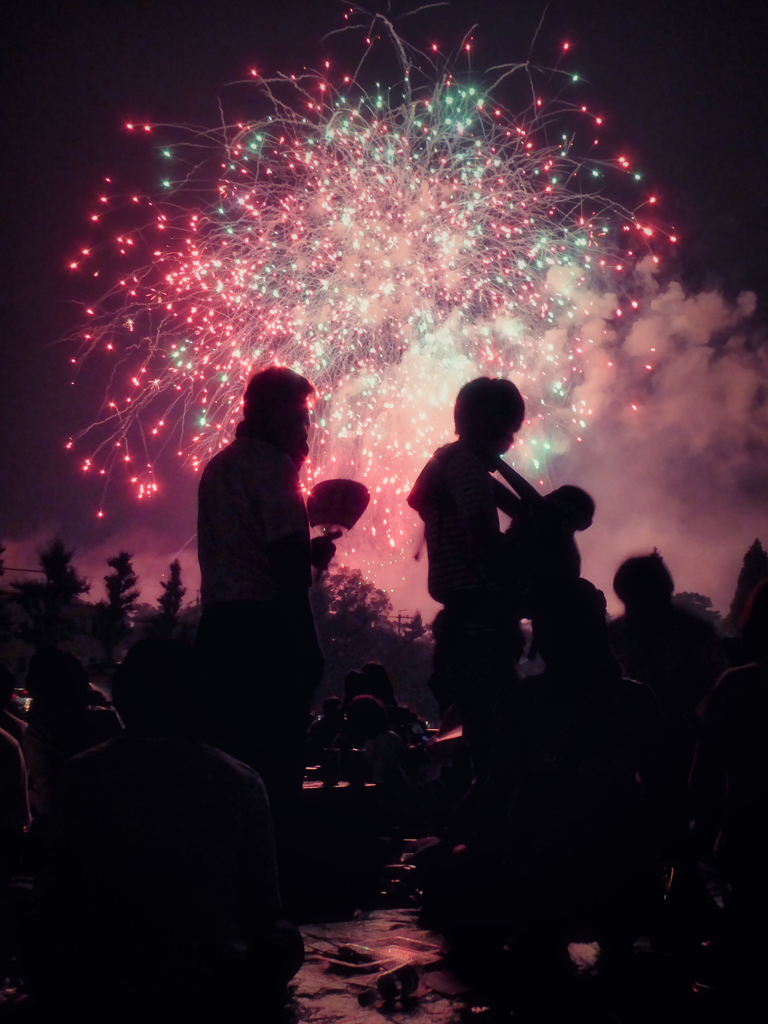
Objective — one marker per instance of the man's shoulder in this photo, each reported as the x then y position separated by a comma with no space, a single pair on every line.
248,451
251,461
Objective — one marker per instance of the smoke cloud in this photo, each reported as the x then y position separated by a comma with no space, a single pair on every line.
675,448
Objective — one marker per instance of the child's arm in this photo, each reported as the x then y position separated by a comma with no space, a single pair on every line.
528,494
508,502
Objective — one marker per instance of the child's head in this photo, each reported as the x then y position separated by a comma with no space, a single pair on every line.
489,412
576,506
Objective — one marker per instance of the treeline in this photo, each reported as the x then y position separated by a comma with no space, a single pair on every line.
45,610
355,620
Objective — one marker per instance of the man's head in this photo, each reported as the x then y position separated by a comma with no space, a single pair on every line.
56,681
151,688
488,413
644,583
275,410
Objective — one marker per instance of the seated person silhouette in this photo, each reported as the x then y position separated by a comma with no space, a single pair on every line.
367,729
160,883
60,722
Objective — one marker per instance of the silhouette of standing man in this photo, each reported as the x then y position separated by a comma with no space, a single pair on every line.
259,656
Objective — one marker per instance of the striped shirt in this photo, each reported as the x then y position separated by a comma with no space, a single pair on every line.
455,489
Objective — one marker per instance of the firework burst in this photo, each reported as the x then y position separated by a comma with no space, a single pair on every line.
388,244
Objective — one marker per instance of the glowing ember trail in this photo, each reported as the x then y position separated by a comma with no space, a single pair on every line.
390,251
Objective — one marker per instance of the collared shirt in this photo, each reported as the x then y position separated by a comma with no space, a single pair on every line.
249,497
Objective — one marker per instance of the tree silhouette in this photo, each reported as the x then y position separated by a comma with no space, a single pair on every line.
45,601
355,625
350,613
2,560
698,605
111,623
170,600
754,570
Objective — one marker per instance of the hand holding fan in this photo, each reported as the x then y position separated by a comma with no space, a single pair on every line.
335,506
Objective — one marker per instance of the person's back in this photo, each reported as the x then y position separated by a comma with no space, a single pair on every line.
164,866
160,884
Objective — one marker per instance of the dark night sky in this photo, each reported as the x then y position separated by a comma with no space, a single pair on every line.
683,85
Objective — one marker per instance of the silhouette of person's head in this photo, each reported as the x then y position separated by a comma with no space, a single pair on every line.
151,688
379,684
644,584
56,681
7,686
576,506
332,707
755,624
488,413
367,717
355,683
275,410
573,637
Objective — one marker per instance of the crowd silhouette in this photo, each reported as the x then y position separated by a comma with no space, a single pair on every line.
166,830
